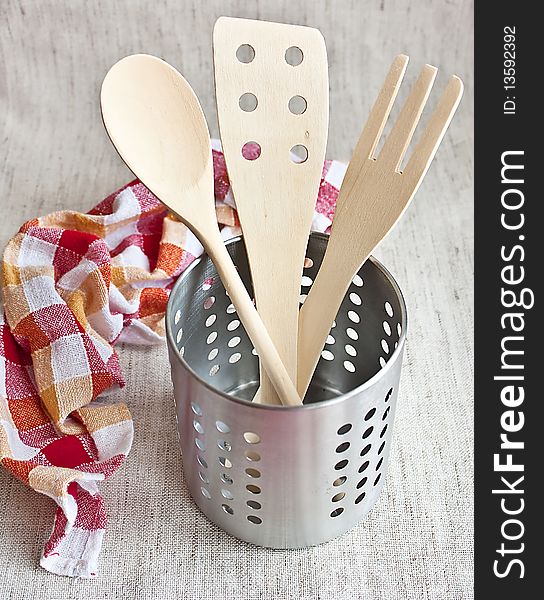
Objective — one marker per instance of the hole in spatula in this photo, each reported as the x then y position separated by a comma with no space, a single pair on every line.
293,56
299,154
245,53
251,151
298,105
248,102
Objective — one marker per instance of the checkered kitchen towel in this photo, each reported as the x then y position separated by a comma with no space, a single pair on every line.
73,286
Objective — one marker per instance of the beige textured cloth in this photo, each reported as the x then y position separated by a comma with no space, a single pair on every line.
417,542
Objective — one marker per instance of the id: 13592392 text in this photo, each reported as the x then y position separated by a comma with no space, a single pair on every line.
509,70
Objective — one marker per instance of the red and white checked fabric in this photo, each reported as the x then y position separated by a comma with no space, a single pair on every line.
73,286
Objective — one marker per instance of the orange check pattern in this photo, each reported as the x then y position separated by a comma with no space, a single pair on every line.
73,286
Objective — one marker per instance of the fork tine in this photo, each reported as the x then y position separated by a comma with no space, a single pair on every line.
398,140
435,130
379,114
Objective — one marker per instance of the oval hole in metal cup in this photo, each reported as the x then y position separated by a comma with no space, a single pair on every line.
251,438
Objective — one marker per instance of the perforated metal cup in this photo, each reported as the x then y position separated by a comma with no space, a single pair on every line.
285,477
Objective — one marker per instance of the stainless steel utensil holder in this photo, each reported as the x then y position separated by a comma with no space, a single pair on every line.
285,477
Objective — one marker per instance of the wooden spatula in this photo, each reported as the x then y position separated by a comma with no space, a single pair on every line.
157,125
272,89
374,195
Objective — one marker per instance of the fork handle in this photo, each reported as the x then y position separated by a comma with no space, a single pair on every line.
319,311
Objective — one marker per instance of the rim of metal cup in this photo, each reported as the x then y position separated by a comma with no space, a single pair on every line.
314,405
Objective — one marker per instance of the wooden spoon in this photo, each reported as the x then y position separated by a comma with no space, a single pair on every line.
374,195
272,89
157,125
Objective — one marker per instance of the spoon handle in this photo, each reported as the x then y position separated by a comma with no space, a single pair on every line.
257,332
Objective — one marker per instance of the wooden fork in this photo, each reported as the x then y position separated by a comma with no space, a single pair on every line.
373,196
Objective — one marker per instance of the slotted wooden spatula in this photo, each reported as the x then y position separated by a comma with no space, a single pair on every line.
374,195
272,101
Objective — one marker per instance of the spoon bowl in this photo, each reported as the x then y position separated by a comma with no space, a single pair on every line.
155,121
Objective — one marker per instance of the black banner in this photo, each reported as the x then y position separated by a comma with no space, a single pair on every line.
508,209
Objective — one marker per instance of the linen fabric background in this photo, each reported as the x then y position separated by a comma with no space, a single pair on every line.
417,541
